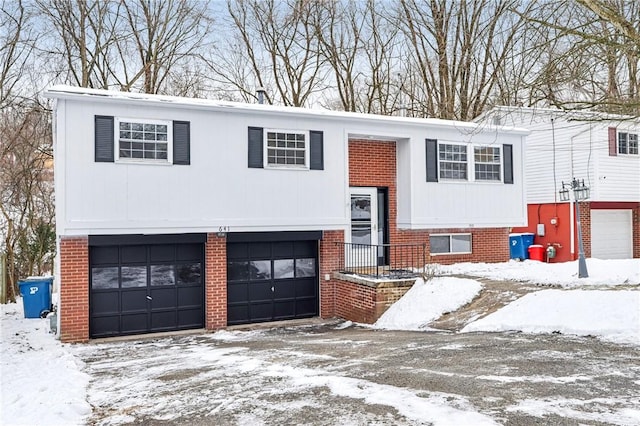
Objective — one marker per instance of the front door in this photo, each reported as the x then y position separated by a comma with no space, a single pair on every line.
363,233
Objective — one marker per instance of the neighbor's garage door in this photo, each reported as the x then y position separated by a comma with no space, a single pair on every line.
145,284
611,234
272,280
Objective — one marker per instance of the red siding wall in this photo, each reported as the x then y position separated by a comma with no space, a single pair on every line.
560,234
74,289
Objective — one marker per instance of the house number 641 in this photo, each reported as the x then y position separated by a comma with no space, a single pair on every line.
223,229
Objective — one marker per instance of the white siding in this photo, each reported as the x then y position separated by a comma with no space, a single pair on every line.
218,189
562,150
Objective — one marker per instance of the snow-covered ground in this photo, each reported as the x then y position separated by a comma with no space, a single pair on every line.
42,381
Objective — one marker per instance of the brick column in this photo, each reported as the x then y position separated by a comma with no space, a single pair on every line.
331,258
74,289
216,282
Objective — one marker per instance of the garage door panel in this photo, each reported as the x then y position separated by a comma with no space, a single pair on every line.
190,318
134,300
306,287
105,303
163,298
261,311
268,280
133,254
611,234
104,255
134,323
284,309
163,320
105,326
237,313
142,288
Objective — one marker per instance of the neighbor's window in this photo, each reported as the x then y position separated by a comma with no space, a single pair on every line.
143,140
628,143
453,161
450,243
286,149
487,163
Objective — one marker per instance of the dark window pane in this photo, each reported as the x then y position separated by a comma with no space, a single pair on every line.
283,268
237,271
134,276
439,244
162,275
189,273
306,267
103,278
260,269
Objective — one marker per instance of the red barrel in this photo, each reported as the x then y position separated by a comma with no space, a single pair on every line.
536,252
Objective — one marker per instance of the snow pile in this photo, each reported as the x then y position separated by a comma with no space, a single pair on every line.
601,272
41,379
612,315
428,301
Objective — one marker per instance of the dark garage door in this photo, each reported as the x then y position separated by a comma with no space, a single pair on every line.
271,280
145,288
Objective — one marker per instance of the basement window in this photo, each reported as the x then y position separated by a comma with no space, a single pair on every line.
450,243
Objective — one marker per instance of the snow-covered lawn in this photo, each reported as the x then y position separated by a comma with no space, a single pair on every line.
42,381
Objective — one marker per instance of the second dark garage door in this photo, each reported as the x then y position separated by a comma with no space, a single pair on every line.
272,280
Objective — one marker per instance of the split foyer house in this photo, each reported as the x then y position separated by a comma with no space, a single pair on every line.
177,213
596,149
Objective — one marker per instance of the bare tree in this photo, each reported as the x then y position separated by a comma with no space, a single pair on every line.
26,192
276,44
457,50
17,38
162,35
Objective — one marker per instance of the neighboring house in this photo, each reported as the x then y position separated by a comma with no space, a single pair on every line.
600,149
177,213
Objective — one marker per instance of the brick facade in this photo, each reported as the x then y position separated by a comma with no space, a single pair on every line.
215,282
73,307
330,254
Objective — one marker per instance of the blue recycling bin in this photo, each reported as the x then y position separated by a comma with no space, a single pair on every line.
519,245
36,296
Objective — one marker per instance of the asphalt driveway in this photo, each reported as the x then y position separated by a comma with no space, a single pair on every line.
336,374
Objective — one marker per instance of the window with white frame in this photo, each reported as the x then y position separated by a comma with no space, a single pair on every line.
143,140
487,163
450,243
627,143
452,161
286,149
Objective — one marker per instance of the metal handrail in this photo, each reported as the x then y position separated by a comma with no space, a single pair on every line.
383,260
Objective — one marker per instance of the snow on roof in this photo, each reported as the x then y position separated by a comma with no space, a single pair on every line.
71,92
569,115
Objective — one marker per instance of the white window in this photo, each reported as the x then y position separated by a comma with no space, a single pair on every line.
452,161
627,143
449,243
487,163
287,149
143,140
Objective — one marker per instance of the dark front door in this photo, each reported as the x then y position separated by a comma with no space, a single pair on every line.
271,280
145,288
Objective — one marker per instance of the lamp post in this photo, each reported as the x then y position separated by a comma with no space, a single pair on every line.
580,193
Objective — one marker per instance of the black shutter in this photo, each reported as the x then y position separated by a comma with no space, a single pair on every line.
507,153
181,142
104,139
256,147
316,148
432,160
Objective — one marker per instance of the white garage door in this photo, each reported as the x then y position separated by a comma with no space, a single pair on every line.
611,236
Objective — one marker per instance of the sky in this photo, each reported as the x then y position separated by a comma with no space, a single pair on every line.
43,382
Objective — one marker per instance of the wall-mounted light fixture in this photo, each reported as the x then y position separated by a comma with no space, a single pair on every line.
580,193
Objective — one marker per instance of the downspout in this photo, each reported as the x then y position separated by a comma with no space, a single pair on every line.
572,219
